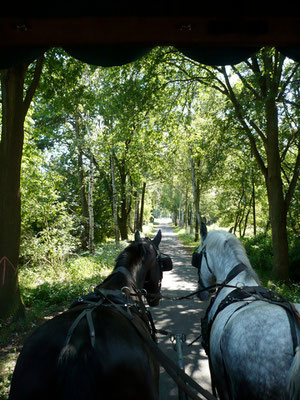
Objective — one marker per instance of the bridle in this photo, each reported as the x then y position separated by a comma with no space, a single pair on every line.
201,254
164,263
163,260
197,262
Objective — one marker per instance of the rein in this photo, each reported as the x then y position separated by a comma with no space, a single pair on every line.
115,299
176,373
234,272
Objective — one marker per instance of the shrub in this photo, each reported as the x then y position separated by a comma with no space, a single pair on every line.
52,244
259,251
44,286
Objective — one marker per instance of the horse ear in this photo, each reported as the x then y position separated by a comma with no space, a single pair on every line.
137,237
230,230
157,238
203,230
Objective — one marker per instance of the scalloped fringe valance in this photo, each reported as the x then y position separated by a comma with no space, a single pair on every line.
116,55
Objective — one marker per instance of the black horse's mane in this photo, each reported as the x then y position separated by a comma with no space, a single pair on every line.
132,254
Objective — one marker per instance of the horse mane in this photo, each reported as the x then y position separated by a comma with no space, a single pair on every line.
132,254
217,239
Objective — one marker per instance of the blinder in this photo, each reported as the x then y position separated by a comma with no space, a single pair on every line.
196,262
197,259
166,263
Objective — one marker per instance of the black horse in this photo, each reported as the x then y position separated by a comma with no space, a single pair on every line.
92,351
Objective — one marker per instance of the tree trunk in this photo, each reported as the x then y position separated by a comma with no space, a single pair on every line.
277,206
175,217
253,205
114,198
136,211
91,207
11,147
186,209
247,216
191,219
122,220
142,208
14,109
83,195
196,194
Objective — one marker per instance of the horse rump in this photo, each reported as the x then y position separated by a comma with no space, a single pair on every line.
91,374
293,387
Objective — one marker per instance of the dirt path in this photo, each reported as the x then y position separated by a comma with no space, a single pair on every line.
180,317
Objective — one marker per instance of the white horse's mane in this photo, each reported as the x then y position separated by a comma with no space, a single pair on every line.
217,239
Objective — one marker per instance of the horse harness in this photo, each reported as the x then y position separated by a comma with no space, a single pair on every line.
247,295
119,299
197,262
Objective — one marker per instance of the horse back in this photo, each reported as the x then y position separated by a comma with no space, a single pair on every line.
251,352
118,365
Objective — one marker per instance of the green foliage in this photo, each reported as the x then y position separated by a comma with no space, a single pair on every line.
259,251
62,283
157,116
5,381
289,290
46,224
187,238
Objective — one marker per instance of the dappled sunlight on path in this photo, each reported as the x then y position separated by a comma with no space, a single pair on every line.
180,317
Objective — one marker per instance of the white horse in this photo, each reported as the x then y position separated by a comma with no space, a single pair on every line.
252,336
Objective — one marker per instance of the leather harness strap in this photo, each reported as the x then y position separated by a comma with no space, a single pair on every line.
253,293
187,384
264,294
87,312
234,272
176,373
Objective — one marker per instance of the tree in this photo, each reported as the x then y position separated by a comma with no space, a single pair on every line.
63,118
46,225
263,94
269,87
126,98
17,94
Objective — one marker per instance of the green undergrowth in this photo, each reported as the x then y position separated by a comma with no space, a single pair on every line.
259,253
58,285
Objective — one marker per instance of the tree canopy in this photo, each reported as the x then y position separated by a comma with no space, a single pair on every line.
164,135
210,134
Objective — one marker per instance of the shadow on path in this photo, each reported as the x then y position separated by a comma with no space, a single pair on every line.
180,316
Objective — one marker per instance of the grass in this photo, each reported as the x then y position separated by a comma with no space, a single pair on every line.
60,284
